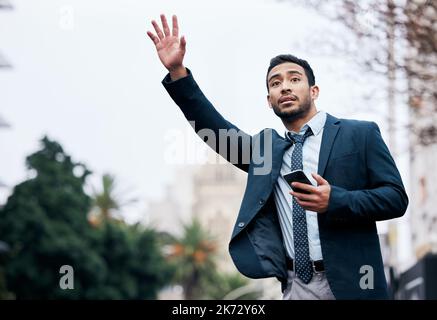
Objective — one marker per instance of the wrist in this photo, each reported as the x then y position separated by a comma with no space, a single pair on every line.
178,73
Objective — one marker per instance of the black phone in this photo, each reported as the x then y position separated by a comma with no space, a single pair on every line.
297,176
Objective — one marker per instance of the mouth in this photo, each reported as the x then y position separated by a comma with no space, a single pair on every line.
287,99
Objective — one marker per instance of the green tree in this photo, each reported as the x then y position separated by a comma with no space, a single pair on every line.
45,224
109,200
194,254
232,286
135,266
4,293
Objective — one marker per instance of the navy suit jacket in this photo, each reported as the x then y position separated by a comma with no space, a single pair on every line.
365,187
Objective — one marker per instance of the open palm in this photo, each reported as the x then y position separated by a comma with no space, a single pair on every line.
170,48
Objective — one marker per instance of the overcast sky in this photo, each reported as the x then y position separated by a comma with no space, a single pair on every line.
86,74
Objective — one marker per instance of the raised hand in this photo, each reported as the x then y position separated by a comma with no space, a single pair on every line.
170,48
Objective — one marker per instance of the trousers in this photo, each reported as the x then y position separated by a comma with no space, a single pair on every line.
317,289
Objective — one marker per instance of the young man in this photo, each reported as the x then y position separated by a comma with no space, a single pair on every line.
319,240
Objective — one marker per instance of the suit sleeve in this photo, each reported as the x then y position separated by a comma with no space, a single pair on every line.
222,136
385,197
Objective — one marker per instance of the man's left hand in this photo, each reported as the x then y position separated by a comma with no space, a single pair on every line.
317,198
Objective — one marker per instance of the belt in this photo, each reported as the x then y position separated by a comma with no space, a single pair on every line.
318,265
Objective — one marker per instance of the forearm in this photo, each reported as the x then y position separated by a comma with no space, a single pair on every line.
221,135
384,197
382,203
193,103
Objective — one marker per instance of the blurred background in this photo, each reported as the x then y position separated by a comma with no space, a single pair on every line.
99,170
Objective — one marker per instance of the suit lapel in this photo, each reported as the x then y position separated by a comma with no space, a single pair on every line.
329,133
280,144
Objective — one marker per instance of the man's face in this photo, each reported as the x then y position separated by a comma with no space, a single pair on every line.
290,95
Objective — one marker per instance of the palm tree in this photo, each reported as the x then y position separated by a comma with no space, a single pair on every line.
108,200
194,254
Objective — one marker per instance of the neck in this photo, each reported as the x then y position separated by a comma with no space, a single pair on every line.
295,124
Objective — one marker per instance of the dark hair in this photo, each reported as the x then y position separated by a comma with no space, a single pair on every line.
282,58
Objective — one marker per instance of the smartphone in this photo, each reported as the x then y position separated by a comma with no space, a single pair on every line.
297,176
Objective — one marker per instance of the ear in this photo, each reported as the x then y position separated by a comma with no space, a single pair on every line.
314,91
268,101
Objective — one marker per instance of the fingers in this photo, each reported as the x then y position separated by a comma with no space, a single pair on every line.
165,25
158,30
166,33
304,187
153,37
183,43
307,205
175,31
319,179
161,35
303,196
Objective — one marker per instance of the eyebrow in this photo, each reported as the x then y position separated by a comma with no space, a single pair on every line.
288,72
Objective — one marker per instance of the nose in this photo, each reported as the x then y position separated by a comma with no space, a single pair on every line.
285,87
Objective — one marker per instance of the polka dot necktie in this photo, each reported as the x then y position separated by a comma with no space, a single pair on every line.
302,262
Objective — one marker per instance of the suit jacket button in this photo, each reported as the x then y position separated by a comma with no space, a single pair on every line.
241,224
261,202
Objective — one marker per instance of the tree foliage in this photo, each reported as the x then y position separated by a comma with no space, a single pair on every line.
194,255
392,36
45,224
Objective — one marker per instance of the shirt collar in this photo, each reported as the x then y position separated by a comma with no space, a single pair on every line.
316,124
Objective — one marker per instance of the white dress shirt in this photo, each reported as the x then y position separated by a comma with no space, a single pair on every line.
284,200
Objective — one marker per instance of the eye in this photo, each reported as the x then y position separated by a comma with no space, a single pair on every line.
275,83
295,80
